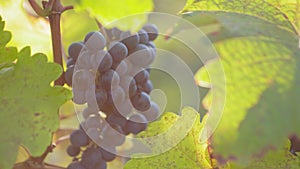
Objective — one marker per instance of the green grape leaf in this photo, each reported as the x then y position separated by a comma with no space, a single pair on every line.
280,158
164,6
261,89
27,30
8,54
281,12
29,105
109,12
233,25
188,153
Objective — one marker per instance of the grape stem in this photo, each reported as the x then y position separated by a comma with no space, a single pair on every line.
53,10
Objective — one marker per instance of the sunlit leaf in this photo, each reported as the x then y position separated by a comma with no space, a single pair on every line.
29,109
261,78
108,11
281,12
27,30
189,153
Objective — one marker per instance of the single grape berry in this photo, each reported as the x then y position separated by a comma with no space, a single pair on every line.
75,165
144,38
101,97
124,108
105,62
94,134
74,49
95,41
147,86
152,31
129,86
90,157
116,32
79,96
141,77
73,151
141,55
118,51
116,119
116,95
70,61
109,78
136,123
82,79
87,112
79,138
94,121
69,75
112,137
141,101
101,165
120,68
131,41
108,155
152,113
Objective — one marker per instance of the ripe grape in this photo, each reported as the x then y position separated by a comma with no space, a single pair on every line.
108,155
73,151
136,123
141,55
87,36
104,61
116,119
109,79
111,137
147,86
75,165
79,96
83,61
120,68
94,134
116,32
116,95
70,61
101,97
79,138
124,108
130,41
141,101
144,38
91,100
129,85
89,111
74,49
152,31
94,121
101,165
95,41
82,79
152,113
129,65
90,157
141,77
69,75
118,51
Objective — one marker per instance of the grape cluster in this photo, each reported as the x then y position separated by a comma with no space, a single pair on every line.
112,78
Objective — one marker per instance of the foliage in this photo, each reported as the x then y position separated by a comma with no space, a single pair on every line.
189,153
261,62
258,44
109,11
29,104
